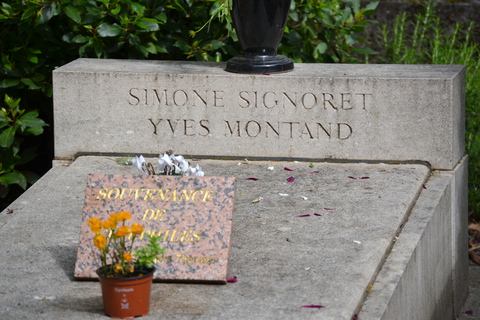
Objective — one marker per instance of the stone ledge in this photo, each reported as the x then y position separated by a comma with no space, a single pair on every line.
282,262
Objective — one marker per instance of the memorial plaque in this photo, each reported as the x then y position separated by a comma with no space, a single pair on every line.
192,215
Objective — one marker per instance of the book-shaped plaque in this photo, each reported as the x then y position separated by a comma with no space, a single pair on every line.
191,215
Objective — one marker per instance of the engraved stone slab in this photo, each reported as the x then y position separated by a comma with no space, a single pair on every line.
317,111
192,215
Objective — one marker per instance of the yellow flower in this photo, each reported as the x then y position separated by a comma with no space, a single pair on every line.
137,228
110,224
122,231
100,241
124,215
95,224
127,256
113,217
118,268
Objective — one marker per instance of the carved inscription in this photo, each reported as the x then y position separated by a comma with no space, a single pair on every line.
155,217
316,106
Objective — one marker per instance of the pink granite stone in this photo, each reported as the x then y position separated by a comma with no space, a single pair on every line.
193,215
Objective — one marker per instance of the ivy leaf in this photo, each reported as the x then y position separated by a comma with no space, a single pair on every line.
7,83
79,39
30,119
182,45
148,25
137,7
109,30
28,13
370,8
47,13
117,9
213,44
6,137
14,177
32,58
31,85
73,13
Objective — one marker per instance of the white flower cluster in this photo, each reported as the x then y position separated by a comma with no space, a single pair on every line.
169,165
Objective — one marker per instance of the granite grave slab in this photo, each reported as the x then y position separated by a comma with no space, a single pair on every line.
191,215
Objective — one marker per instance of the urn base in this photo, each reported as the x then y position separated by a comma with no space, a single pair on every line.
258,63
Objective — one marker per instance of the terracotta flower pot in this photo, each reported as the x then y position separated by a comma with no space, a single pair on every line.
260,25
126,298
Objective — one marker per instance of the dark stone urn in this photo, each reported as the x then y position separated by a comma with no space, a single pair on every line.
259,25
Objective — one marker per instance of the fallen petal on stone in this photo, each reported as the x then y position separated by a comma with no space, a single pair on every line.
313,306
234,279
288,169
316,214
254,179
352,177
302,215
329,208
290,180
363,177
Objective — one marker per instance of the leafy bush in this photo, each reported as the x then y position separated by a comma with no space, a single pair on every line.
326,31
427,41
36,36
16,126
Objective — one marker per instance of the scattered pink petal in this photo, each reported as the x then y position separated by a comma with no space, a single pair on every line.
10,212
266,74
313,306
290,180
329,208
469,312
288,169
363,177
352,177
254,179
316,214
355,317
314,171
423,185
234,279
302,215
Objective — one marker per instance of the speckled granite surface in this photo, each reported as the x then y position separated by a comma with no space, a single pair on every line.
191,215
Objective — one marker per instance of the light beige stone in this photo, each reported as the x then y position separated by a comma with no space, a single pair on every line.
318,111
